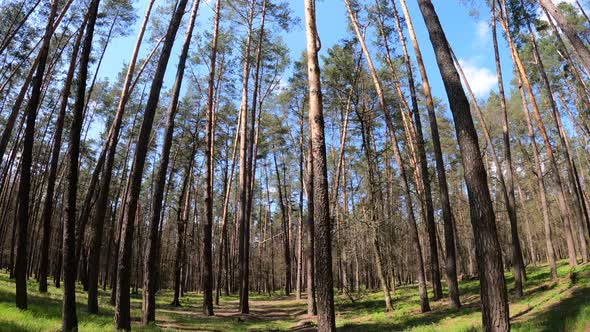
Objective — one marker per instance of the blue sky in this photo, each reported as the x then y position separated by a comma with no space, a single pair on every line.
470,37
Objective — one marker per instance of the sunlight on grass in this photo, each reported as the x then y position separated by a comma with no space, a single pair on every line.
546,306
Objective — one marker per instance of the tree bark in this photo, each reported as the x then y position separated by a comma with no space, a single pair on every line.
52,177
209,175
548,146
507,190
321,212
69,319
122,307
243,226
447,215
424,305
494,299
579,47
20,268
149,281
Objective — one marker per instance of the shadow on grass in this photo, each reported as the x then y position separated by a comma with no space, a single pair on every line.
11,327
556,316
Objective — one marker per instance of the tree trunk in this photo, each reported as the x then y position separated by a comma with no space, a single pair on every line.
181,223
122,308
149,281
494,297
571,170
243,226
20,267
447,216
517,260
424,305
69,319
209,176
579,47
548,146
57,140
309,238
321,214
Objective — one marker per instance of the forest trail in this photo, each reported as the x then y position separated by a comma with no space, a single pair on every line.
545,306
284,310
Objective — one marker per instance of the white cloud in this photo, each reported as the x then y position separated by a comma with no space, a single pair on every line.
481,79
482,31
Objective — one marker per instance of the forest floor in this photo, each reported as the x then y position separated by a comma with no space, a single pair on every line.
546,306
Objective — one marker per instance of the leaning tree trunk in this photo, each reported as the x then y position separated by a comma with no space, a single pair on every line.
149,277
494,298
20,267
562,204
321,212
576,196
56,148
375,200
447,215
103,195
69,319
517,259
123,303
579,47
285,226
181,223
424,305
423,180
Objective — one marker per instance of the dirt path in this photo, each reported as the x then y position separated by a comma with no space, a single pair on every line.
285,310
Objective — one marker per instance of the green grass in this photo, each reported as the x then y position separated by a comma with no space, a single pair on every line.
546,306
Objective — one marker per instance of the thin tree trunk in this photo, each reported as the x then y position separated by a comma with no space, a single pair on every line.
571,171
517,259
122,308
423,176
548,146
424,305
149,281
243,227
69,319
57,140
26,163
447,216
209,176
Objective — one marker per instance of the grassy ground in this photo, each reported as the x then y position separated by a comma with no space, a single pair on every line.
546,306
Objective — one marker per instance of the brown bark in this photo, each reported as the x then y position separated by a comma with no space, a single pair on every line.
424,305
494,299
209,176
52,177
20,268
69,319
149,281
285,227
375,200
447,216
572,175
507,190
548,146
579,47
122,308
321,214
243,226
